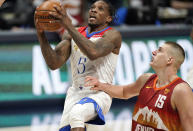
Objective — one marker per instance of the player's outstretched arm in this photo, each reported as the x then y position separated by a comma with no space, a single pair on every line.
118,91
54,58
182,99
112,90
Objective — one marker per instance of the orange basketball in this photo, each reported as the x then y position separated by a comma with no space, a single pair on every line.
46,21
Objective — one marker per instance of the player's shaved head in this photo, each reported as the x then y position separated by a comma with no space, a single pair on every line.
177,52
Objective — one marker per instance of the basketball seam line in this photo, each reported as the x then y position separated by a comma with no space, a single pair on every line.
46,10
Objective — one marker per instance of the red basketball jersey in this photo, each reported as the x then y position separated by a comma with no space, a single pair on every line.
153,110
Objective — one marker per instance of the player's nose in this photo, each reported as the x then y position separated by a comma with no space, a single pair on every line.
93,10
154,52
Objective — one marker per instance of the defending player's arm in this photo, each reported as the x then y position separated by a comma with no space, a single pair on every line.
123,92
182,99
54,58
110,42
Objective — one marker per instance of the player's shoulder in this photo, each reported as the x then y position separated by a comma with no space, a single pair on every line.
114,35
182,93
143,79
182,88
113,31
146,76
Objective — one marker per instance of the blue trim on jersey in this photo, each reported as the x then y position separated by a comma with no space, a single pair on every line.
93,33
99,120
67,128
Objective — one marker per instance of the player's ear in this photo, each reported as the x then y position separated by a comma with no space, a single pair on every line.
109,19
170,60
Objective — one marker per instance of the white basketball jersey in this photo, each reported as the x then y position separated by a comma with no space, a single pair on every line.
81,66
103,68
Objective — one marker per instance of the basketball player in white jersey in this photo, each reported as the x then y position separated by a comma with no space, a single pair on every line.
93,50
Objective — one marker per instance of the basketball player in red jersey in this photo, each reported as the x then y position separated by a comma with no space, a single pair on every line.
165,101
92,50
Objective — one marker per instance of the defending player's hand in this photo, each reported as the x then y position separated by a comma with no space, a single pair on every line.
62,15
93,82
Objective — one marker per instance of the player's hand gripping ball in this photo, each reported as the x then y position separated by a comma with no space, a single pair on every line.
45,21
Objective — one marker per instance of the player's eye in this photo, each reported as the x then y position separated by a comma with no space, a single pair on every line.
101,8
92,7
159,49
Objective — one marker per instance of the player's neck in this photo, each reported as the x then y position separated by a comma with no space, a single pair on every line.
165,77
96,28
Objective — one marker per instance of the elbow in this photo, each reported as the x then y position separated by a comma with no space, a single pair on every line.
124,97
127,96
92,58
93,55
120,97
52,66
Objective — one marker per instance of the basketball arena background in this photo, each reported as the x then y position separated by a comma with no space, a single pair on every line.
32,95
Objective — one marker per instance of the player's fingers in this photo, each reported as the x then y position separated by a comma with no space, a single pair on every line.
94,88
88,78
36,22
63,9
35,18
56,15
58,9
89,83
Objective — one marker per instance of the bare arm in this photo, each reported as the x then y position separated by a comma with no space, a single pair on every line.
181,5
133,89
54,58
118,91
182,99
111,41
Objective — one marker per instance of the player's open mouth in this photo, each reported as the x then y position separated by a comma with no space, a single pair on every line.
92,17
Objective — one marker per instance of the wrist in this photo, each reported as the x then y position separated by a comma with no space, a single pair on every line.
40,32
68,26
106,85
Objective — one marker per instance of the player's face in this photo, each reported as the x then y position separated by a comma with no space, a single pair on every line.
160,57
98,14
